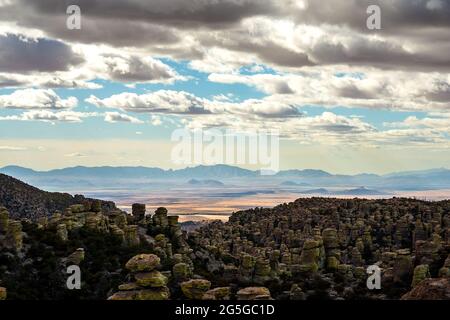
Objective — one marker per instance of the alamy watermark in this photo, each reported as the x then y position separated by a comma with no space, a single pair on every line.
373,22
74,280
213,146
73,21
374,279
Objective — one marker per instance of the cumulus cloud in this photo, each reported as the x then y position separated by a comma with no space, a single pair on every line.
184,103
394,90
49,116
36,99
163,101
134,69
114,117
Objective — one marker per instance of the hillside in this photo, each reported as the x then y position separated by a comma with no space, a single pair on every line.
25,201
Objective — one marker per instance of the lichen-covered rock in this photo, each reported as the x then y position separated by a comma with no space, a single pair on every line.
153,279
173,220
3,293
296,293
221,293
4,220
309,258
129,286
444,272
14,236
132,235
160,218
430,289
253,293
143,262
76,257
195,288
403,266
421,272
332,264
162,293
181,271
61,232
77,208
119,233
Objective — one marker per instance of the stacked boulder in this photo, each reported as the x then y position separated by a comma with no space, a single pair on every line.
148,284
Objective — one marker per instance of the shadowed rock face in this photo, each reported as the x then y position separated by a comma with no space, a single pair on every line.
25,201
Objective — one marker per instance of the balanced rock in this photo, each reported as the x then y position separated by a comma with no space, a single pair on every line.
138,211
309,259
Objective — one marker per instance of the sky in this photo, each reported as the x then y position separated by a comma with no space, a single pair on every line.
343,97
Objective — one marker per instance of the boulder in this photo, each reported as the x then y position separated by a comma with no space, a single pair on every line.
76,257
253,293
195,288
153,279
143,262
421,272
3,293
222,293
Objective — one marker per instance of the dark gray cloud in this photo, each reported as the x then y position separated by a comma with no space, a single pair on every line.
441,92
378,53
192,13
21,55
397,15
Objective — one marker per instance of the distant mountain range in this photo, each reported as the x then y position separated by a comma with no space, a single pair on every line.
362,191
104,176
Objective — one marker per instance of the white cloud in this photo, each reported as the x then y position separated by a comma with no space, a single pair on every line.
36,99
162,101
49,116
114,117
